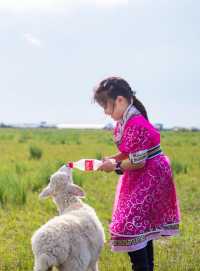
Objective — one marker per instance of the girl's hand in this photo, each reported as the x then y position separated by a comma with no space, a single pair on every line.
108,165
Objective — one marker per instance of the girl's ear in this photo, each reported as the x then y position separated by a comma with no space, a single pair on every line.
76,190
119,99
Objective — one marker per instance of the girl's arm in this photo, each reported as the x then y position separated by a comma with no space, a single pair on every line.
127,165
117,157
110,165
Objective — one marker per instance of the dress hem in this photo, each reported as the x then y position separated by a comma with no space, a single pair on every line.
148,237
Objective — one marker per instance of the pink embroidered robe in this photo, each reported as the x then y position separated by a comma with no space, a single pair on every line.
146,205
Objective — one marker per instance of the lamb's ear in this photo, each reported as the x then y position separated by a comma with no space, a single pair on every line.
76,190
46,192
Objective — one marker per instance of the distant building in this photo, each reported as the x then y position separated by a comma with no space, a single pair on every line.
44,124
195,129
108,126
159,126
3,125
177,129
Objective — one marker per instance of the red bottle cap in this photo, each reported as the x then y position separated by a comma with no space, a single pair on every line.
70,164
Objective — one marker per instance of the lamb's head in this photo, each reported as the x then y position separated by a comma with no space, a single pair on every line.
67,170
61,184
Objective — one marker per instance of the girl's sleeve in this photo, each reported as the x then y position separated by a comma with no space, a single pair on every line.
136,143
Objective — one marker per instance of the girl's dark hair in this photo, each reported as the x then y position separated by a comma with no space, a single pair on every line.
112,87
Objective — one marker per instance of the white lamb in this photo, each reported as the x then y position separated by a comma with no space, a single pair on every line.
73,240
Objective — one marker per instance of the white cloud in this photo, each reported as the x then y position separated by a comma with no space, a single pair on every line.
54,5
32,40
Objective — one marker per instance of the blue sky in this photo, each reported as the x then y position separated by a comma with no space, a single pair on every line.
53,52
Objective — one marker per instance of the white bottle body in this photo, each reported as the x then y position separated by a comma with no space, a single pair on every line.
86,164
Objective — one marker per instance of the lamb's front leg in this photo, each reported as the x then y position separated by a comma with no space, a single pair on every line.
72,266
40,269
42,263
94,267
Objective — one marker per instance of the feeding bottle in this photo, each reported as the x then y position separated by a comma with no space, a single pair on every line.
85,164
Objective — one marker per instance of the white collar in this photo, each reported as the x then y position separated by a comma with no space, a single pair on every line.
129,112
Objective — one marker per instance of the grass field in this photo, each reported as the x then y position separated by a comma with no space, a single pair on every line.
29,157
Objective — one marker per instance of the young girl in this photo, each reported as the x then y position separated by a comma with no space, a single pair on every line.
146,206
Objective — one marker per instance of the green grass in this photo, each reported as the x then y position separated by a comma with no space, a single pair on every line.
22,178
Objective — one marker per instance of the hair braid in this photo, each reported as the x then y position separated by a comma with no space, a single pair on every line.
139,105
